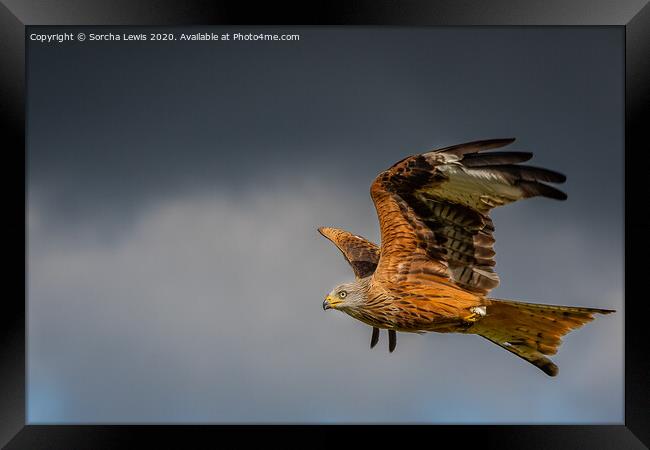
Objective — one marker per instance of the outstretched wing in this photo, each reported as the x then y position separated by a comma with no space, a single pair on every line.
434,209
360,253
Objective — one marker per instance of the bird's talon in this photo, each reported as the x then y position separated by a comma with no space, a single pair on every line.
478,312
471,318
375,337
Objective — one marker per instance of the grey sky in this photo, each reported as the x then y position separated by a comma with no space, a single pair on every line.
175,274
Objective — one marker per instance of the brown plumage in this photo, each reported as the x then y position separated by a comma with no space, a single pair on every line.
435,265
360,253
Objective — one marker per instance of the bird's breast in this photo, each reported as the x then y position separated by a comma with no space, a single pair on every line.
440,313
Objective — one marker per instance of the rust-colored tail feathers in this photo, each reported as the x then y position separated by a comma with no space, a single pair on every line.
531,331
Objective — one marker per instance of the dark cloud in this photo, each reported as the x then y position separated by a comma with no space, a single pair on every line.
123,124
174,191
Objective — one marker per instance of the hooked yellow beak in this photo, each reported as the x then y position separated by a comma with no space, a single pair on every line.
329,303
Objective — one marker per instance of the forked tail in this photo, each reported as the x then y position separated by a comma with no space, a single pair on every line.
531,331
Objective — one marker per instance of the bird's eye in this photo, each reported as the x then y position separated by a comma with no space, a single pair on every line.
343,294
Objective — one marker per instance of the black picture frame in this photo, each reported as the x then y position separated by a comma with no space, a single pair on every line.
633,15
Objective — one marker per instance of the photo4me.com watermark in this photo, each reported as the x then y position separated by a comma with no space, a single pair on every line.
59,38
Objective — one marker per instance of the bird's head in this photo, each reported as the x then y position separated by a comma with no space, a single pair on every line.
346,296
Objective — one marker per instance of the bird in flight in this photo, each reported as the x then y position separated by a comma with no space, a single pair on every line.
435,265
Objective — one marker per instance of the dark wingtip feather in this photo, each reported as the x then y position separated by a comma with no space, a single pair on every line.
534,188
494,143
495,158
541,174
475,146
548,367
529,173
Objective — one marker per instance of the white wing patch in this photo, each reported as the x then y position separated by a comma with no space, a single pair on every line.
479,189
